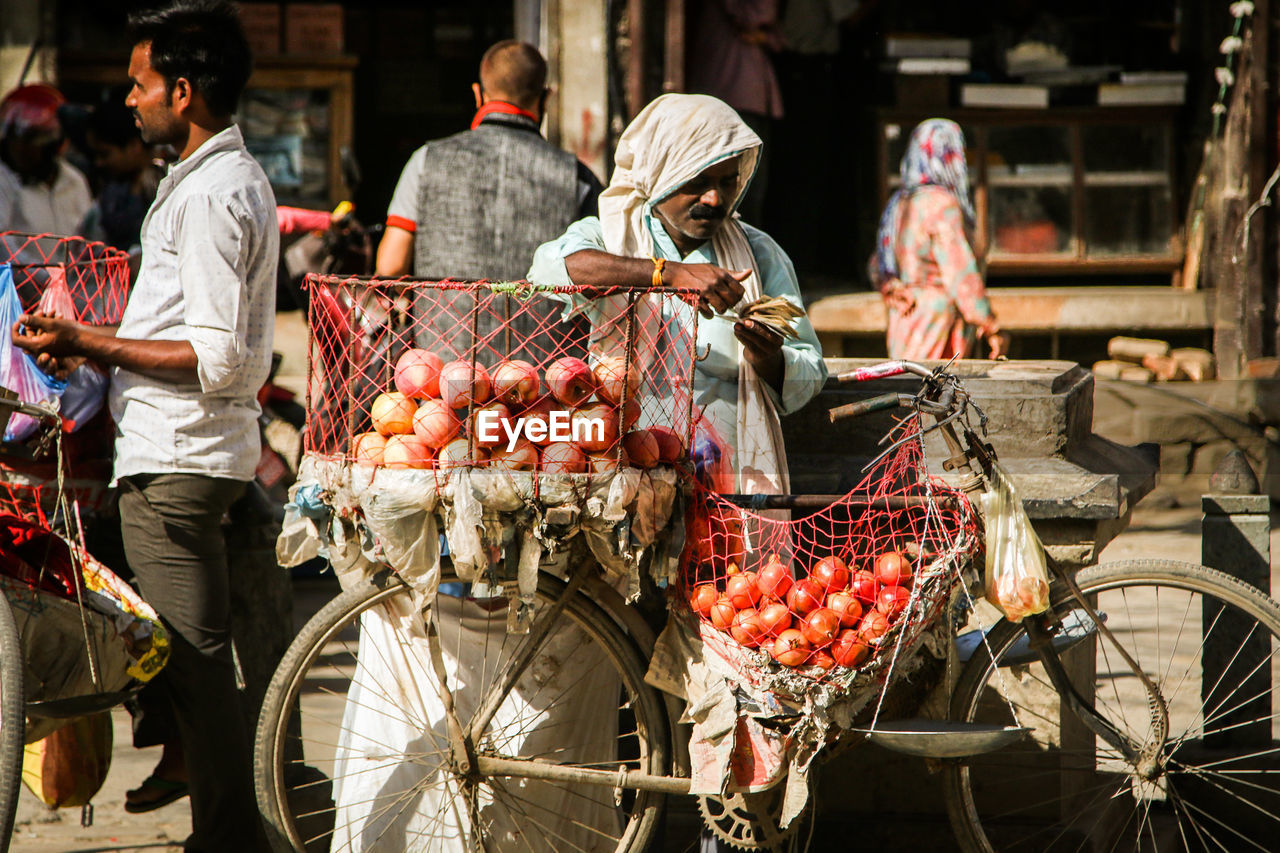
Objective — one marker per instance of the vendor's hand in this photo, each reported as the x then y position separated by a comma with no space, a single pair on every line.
718,289
762,348
42,334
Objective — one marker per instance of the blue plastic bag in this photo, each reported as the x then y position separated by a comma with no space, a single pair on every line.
18,371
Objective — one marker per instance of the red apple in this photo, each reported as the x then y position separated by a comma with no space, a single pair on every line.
631,412
537,421
775,578
831,573
703,596
722,613
523,457
820,627
892,600
747,628
822,660
463,383
873,627
406,451
516,383
865,587
457,453
791,648
435,423
849,649
570,381
603,463
775,617
595,427
893,569
845,605
642,448
489,424
805,597
367,448
742,590
670,447
417,374
562,457
392,413
613,376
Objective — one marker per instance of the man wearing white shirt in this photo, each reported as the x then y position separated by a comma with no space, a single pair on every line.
40,192
192,350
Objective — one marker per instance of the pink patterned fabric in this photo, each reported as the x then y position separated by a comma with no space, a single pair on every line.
938,301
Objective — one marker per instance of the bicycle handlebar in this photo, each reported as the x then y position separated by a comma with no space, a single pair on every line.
883,371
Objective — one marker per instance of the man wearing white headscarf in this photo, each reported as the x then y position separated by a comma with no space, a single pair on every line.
668,219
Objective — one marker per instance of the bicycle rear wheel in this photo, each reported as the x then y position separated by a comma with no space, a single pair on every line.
12,720
1209,642
348,758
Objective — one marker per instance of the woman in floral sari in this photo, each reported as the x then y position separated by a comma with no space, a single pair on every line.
924,265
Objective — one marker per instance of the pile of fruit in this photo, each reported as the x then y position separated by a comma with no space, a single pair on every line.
443,415
832,617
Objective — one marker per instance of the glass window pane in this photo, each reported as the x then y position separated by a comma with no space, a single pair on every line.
1126,147
1029,152
1131,220
1030,220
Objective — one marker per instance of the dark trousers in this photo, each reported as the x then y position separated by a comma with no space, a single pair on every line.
171,526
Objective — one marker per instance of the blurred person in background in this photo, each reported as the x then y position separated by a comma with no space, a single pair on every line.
39,191
731,57
128,175
924,265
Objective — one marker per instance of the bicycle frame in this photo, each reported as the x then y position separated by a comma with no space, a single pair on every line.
944,398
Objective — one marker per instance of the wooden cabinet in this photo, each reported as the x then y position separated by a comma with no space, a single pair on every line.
296,115
1065,190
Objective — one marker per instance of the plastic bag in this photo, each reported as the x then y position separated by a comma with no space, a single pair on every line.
18,371
1016,577
69,766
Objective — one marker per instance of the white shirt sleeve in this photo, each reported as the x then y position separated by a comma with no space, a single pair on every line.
213,252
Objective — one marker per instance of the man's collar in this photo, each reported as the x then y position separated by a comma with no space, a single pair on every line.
504,113
229,139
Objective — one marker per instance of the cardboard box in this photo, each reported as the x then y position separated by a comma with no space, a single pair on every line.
262,27
313,28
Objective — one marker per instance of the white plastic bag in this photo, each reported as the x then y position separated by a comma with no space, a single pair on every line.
1016,577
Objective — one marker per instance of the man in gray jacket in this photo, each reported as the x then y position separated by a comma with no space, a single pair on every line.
477,204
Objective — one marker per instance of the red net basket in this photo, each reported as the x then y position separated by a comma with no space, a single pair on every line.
96,275
444,374
838,594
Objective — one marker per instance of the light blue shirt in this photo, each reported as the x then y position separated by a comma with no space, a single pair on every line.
715,380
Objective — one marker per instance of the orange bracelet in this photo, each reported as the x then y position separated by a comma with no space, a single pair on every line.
658,265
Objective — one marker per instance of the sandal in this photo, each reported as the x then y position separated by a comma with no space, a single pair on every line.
169,792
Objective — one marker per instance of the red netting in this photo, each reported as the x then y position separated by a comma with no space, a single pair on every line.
418,374
96,275
832,594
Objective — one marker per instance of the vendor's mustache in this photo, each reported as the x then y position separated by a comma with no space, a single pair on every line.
706,211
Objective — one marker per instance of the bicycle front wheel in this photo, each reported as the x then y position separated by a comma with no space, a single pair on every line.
12,720
354,749
1209,643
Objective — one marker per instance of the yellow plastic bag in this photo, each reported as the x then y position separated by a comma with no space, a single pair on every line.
69,766
1016,577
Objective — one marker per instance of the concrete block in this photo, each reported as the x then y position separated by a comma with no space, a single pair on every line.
1135,349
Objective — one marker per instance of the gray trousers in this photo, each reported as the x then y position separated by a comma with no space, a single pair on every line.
171,526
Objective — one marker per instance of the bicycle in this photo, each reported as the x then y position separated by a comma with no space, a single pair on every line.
497,769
